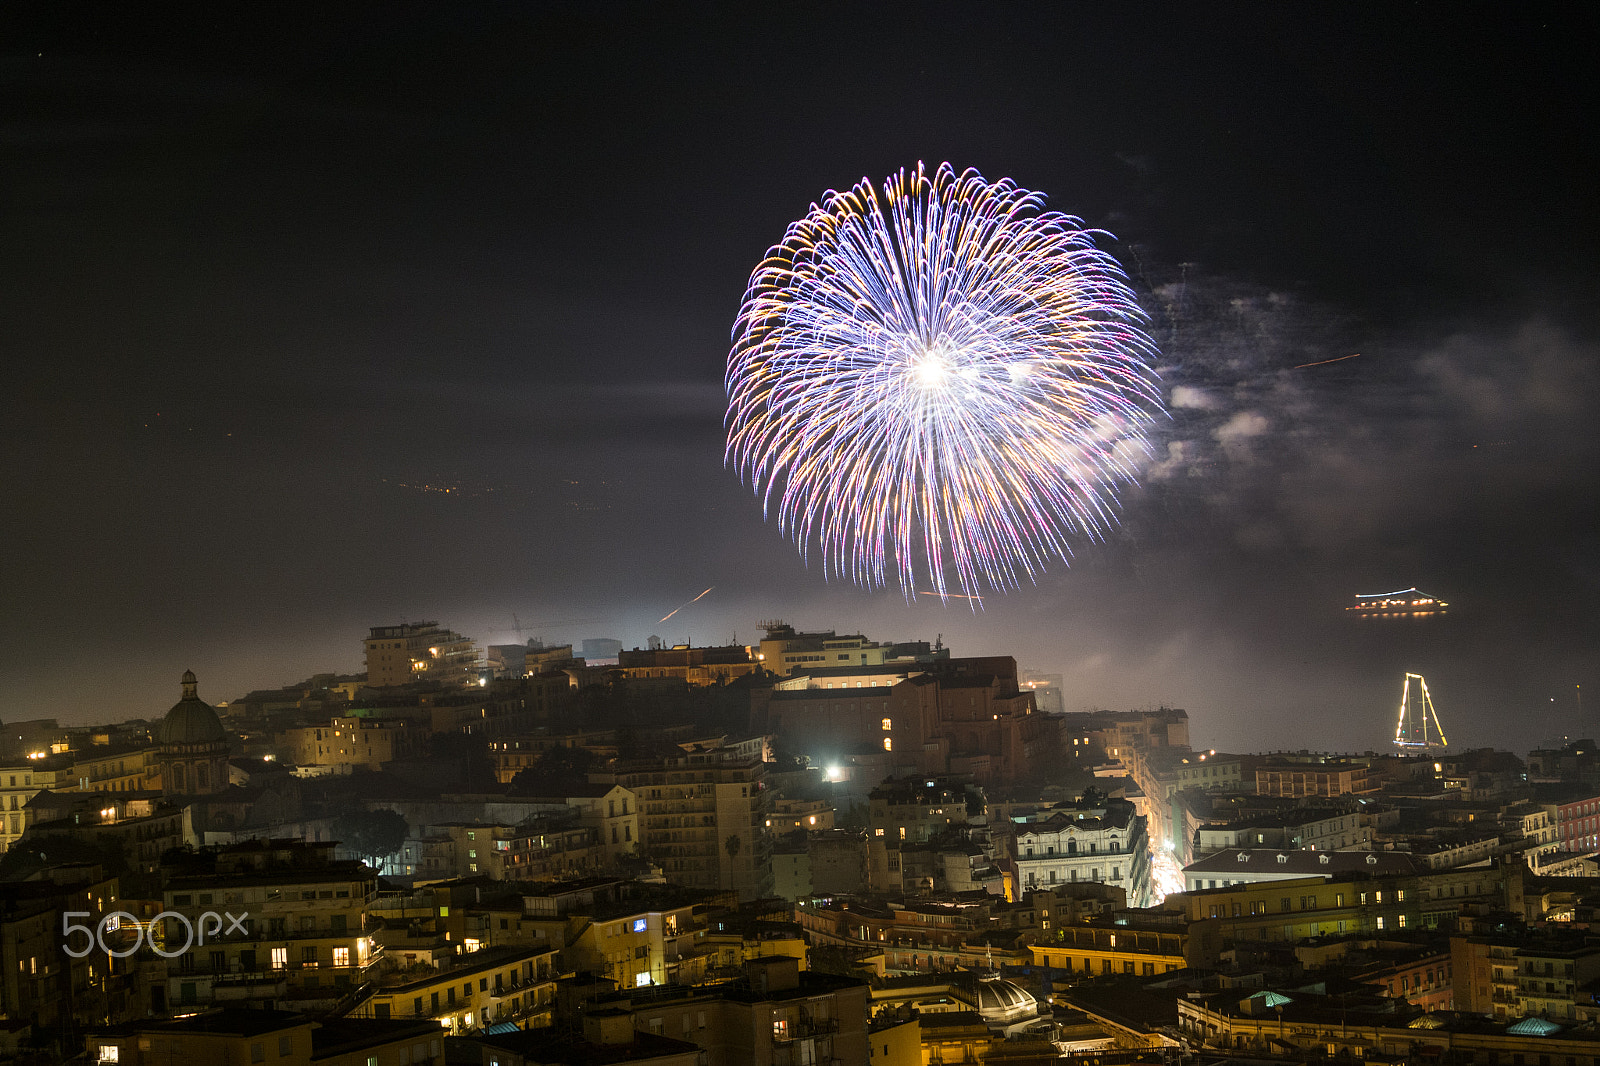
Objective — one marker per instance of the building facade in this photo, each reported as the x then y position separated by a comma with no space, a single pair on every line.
1106,843
303,940
191,752
704,821
419,651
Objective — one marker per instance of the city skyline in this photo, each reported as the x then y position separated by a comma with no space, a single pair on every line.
344,321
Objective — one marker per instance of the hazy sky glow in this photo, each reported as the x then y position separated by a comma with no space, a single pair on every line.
276,279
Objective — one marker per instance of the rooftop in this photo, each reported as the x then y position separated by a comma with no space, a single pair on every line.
574,1051
1295,863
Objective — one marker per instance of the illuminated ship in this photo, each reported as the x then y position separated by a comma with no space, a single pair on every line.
1406,603
1412,732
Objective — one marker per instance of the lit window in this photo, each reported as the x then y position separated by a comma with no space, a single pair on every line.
888,724
280,958
888,744
341,956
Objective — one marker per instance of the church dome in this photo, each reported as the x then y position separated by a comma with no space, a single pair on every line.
1001,1001
191,720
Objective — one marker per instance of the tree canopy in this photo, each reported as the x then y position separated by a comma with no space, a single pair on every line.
554,768
373,835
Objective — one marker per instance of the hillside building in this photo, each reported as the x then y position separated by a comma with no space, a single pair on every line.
419,651
1105,842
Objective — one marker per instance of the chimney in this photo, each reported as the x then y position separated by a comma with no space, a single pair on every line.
773,973
609,1027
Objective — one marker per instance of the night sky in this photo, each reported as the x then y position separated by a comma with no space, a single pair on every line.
275,278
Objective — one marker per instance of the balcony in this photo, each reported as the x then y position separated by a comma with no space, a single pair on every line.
804,1029
176,971
542,991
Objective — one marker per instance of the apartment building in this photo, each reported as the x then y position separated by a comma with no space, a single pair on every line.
493,986
235,1035
39,982
635,935
784,649
912,810
776,1016
611,809
950,716
1309,828
1105,842
419,651
142,825
554,848
115,769
513,754
22,780
1312,775
1164,774
1300,908
704,821
1104,949
301,938
352,742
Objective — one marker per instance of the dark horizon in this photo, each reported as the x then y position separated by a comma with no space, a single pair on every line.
280,276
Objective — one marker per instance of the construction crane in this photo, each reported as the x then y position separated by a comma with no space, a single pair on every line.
518,625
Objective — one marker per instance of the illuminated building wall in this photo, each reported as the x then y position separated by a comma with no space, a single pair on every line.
776,1014
482,988
40,983
1299,908
19,783
705,823
697,666
905,811
420,651
113,770
634,946
1106,844
1578,825
1100,951
349,742
784,651
306,939
1301,779
924,722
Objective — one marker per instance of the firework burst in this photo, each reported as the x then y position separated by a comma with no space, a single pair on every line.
939,384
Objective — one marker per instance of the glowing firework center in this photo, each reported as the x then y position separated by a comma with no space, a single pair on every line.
931,371
940,385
